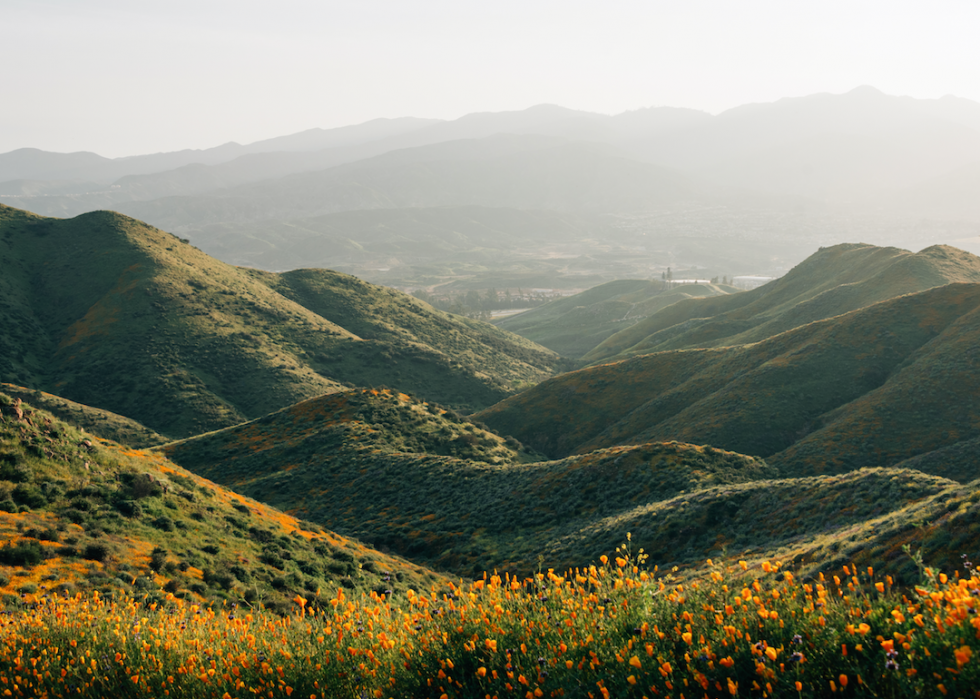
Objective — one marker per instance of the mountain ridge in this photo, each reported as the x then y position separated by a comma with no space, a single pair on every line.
110,312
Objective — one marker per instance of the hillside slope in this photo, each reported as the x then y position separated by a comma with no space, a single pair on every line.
79,512
575,325
407,477
110,312
410,478
867,388
832,281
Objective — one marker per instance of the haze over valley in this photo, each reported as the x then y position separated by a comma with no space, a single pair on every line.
550,197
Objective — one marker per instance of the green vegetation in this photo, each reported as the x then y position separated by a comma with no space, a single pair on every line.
868,388
575,325
832,281
109,312
82,513
407,477
347,460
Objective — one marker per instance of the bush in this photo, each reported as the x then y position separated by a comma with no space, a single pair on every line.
220,579
13,468
129,508
95,552
261,535
163,523
158,557
273,559
25,554
29,496
141,485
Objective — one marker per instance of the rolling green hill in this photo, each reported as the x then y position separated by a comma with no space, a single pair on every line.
412,479
832,281
868,388
110,312
575,325
407,477
78,512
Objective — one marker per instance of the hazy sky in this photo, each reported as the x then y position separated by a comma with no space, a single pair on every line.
121,77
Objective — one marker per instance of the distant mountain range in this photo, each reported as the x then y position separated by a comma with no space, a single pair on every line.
803,172
821,146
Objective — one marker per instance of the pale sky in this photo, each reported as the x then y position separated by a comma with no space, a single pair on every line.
123,77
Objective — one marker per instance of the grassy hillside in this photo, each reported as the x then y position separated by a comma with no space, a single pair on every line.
414,480
575,325
110,312
98,422
409,477
79,512
869,388
818,522
832,281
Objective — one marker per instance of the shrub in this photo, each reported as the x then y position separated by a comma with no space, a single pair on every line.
29,496
141,485
13,468
220,579
25,554
273,559
129,508
163,523
158,557
261,535
95,552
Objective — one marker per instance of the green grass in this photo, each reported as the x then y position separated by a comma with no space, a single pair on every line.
107,311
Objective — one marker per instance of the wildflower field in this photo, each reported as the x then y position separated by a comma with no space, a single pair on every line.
609,630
